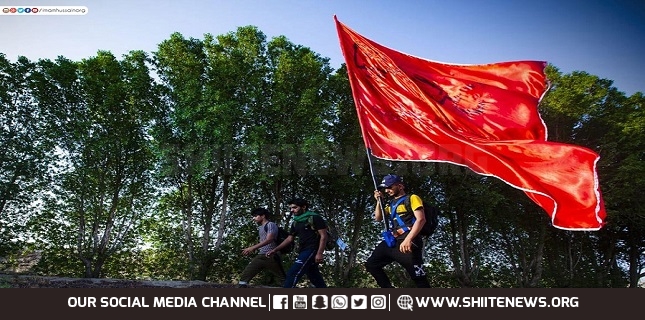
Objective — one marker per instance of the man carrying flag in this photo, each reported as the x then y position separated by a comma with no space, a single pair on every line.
407,246
484,117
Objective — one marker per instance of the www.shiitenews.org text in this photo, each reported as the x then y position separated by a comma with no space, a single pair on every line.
497,302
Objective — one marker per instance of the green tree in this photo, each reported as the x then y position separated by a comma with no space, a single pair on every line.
104,186
211,85
27,139
181,65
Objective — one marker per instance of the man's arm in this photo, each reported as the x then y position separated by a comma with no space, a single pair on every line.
378,210
284,243
322,243
270,238
419,215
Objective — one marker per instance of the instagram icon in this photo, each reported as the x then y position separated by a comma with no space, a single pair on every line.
378,302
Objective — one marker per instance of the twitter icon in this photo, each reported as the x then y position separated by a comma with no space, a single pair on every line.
359,301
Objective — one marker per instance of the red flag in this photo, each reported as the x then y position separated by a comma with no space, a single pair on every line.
484,117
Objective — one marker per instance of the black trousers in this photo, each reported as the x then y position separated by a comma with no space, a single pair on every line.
412,263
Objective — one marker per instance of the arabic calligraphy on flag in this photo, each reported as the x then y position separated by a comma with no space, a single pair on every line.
484,117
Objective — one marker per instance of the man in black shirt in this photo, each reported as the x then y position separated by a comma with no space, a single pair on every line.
311,230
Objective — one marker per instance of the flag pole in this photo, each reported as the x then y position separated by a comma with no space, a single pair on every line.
369,160
380,203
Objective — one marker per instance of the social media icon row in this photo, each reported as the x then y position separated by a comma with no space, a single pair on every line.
329,302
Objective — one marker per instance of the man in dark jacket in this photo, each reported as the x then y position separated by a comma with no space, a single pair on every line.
311,230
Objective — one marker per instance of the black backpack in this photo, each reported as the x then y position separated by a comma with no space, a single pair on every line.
280,237
432,217
332,235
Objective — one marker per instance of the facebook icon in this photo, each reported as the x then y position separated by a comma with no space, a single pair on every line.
280,301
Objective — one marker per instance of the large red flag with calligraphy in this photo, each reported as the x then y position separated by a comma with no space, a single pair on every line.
484,117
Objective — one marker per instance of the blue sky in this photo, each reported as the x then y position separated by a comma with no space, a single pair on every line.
602,37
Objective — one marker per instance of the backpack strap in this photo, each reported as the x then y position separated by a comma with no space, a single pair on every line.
394,215
310,222
266,232
408,206
266,228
